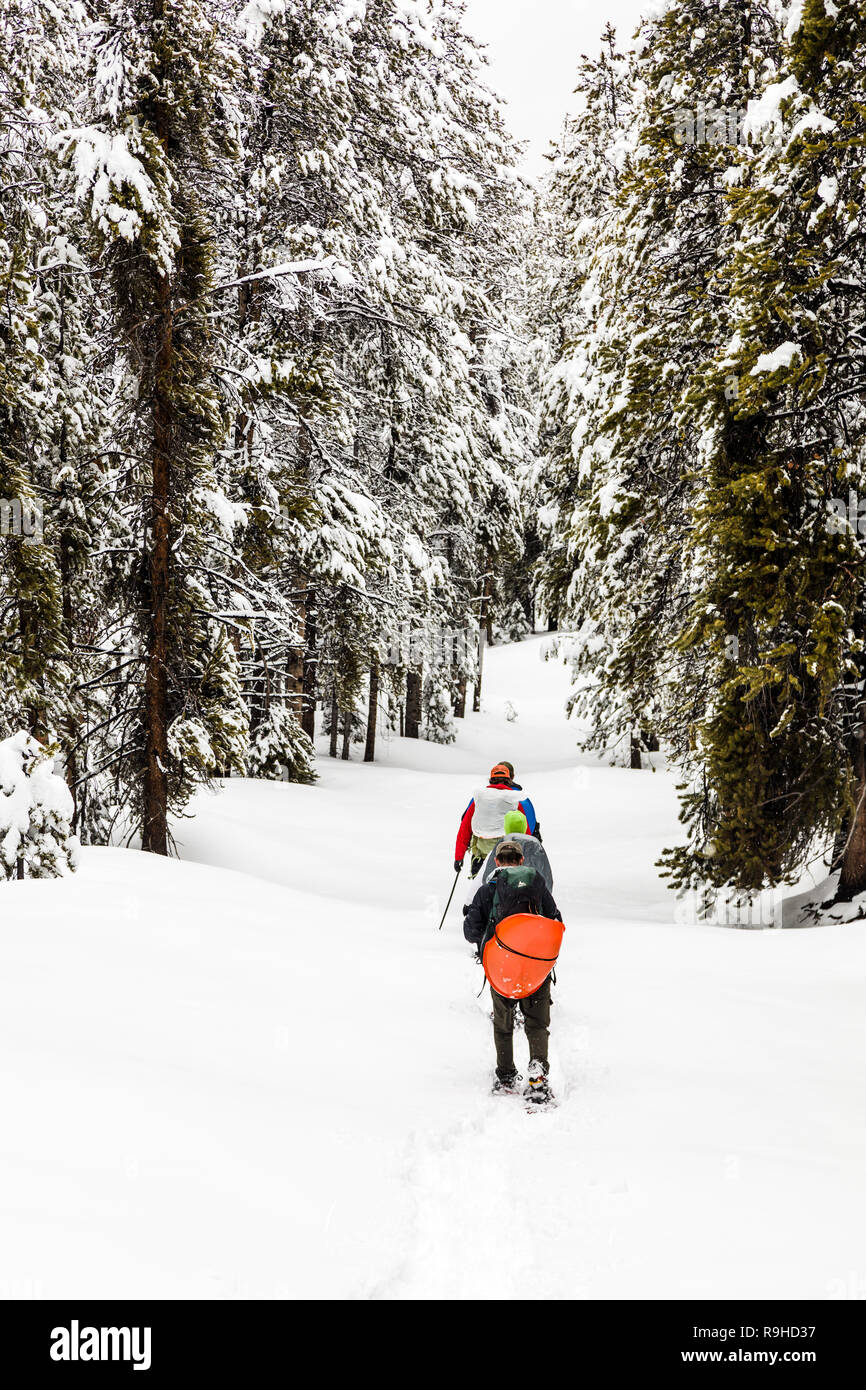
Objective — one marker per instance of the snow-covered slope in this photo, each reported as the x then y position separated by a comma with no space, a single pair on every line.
265,1073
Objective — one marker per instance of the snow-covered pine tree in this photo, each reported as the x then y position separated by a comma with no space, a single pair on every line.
279,748
653,313
293,194
579,318
269,388
36,809
779,755
327,181
438,716
36,41
513,626
162,123
574,209
396,158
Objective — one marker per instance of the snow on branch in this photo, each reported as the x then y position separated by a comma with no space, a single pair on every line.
329,266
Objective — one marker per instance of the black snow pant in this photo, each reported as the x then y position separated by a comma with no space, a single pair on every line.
536,1014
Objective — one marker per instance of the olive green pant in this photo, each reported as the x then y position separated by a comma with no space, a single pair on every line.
536,1016
479,849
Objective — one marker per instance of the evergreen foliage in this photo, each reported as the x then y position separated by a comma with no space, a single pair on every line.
703,426
260,266
36,839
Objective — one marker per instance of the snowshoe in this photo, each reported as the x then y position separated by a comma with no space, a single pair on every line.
537,1090
507,1085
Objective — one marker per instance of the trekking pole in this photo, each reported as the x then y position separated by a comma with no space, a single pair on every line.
448,904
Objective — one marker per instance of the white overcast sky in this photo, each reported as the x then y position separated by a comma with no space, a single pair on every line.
533,48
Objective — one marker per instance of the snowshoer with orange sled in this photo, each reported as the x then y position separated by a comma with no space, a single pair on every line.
517,929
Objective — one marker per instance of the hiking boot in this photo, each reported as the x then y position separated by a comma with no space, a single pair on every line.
475,867
507,1083
537,1091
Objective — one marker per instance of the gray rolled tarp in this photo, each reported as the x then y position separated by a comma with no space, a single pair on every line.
534,855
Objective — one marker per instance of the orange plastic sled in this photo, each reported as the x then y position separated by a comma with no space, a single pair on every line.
522,953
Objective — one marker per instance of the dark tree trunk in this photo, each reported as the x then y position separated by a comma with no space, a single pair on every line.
852,879
244,421
304,599
154,836
460,702
71,760
839,843
295,665
552,623
308,711
636,763
248,299
485,635
335,720
347,734
257,696
476,695
413,704
372,711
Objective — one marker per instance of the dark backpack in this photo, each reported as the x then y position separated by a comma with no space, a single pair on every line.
518,889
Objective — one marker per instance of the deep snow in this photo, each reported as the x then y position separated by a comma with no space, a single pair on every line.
263,1073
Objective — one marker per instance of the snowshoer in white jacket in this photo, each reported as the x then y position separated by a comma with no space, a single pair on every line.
483,822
